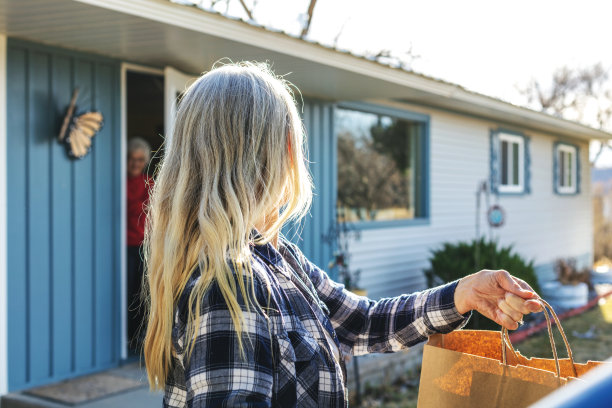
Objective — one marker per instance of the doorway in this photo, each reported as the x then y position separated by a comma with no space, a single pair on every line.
144,130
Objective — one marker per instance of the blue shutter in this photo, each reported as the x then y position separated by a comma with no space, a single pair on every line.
494,162
527,165
555,168
578,167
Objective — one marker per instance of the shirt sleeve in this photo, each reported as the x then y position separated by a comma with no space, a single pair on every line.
215,374
387,325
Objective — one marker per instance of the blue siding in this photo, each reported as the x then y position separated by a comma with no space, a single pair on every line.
61,208
63,216
17,218
318,121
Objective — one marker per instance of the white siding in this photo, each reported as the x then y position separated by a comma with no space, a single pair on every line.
541,225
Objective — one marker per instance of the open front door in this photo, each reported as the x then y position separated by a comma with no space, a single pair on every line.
176,82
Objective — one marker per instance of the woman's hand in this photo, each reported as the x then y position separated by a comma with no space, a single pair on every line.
497,295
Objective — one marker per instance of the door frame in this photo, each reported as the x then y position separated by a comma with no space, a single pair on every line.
175,83
125,67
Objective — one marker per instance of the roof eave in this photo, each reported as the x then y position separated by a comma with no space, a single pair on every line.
393,83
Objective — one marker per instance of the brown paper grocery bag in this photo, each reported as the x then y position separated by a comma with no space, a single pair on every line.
478,368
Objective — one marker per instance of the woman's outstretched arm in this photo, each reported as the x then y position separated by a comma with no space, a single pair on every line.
392,324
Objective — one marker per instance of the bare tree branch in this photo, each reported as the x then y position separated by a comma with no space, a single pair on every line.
401,60
310,12
246,9
337,37
571,91
602,147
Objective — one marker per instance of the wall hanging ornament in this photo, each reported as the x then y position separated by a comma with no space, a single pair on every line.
496,216
78,130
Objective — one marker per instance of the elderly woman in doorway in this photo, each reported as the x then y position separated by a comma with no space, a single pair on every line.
138,185
238,315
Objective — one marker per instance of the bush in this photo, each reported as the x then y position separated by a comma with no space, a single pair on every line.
454,261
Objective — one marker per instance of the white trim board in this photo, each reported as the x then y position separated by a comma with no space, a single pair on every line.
123,198
3,230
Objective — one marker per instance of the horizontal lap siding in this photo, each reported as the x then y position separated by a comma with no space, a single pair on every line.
541,225
63,245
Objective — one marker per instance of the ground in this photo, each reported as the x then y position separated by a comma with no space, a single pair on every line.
589,334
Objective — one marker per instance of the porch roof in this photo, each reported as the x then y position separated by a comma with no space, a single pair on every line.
161,33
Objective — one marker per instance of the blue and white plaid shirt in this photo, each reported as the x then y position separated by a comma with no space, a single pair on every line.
289,358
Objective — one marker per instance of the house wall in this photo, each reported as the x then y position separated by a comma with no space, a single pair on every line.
3,236
313,232
542,225
63,251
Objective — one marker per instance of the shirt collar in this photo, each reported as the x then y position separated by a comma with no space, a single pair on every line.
267,251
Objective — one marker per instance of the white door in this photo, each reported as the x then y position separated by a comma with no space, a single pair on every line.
176,82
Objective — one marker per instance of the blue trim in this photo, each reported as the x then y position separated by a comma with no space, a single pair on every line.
494,162
527,163
422,182
369,225
556,169
493,159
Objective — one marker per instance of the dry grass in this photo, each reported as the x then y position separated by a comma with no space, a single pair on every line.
596,320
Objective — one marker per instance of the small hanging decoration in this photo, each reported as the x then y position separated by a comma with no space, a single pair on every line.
496,216
78,130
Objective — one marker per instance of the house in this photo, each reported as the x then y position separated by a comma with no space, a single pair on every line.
425,146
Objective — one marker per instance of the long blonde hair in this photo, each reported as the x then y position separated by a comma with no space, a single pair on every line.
235,155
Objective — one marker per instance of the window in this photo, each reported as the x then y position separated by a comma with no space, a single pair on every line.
512,159
566,169
509,163
380,167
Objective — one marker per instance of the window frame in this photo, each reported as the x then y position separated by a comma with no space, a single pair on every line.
422,180
497,137
520,141
575,150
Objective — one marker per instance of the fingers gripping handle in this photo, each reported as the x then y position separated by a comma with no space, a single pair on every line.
546,307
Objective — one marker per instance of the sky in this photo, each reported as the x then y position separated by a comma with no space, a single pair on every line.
491,47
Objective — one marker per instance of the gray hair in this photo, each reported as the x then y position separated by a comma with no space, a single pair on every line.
138,143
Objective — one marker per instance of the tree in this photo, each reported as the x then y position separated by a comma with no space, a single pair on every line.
581,94
226,6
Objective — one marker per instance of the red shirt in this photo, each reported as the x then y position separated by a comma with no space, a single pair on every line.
137,197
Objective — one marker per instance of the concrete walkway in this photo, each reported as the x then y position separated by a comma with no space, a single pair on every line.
134,398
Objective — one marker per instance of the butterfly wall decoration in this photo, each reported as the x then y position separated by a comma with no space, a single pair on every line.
78,130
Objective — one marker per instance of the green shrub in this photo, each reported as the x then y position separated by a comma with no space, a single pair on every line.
456,260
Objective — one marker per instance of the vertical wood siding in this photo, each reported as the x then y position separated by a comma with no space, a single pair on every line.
318,121
63,218
542,225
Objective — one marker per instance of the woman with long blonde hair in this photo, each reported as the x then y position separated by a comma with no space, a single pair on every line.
237,315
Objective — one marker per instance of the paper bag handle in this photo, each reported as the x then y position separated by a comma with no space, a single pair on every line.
505,339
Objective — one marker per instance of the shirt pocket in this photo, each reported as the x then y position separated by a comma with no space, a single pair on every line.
297,372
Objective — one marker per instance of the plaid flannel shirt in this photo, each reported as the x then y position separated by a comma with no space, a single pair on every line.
289,361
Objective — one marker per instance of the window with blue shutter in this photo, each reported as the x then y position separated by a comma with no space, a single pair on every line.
566,169
510,162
